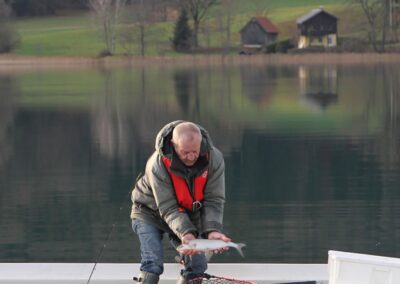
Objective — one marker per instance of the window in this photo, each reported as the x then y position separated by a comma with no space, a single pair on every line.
331,40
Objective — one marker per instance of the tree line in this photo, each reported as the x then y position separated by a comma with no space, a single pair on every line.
383,21
22,8
136,16
116,18
381,18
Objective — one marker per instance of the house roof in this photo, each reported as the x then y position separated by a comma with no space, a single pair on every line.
265,23
312,14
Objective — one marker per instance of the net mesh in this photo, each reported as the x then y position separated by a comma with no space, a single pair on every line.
216,280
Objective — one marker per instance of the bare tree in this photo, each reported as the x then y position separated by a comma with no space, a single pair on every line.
107,14
224,21
377,14
394,19
136,17
263,8
197,10
8,35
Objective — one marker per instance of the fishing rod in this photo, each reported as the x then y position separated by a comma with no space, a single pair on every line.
111,230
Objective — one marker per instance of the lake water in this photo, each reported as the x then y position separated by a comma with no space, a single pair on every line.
312,157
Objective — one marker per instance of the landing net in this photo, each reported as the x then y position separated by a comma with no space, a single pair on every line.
211,279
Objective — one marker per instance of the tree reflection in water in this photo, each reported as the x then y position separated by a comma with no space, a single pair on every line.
299,182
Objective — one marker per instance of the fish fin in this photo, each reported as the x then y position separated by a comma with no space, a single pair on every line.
239,249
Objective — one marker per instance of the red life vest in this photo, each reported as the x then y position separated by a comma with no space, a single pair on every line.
182,192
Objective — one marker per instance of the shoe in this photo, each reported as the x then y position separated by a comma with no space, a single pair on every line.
195,280
181,280
147,278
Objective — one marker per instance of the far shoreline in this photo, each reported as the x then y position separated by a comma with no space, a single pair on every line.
12,61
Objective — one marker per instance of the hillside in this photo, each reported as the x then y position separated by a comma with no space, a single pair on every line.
75,34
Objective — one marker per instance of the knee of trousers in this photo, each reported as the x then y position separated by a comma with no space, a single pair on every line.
152,267
198,263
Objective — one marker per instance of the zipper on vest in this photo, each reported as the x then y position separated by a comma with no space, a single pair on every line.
190,187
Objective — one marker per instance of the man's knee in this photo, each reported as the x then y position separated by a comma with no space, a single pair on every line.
156,267
199,263
195,267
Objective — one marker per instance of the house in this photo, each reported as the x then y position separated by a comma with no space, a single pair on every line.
317,28
258,33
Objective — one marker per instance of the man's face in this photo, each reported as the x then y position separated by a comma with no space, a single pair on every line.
188,151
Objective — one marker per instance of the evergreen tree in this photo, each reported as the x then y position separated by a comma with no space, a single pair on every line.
182,33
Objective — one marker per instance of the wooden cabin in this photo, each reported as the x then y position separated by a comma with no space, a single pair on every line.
317,28
258,33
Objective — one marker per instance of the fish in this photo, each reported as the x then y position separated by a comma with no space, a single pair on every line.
203,245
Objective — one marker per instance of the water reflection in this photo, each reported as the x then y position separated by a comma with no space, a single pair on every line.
7,96
318,86
110,127
389,142
187,90
258,84
299,181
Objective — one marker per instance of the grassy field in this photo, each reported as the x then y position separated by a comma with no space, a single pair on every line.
76,34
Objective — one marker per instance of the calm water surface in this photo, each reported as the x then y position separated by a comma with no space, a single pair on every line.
312,157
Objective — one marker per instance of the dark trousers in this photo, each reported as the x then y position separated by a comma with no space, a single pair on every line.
151,252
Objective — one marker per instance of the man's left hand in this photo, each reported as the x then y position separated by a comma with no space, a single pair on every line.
219,236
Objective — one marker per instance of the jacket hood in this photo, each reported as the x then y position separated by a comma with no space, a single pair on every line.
165,134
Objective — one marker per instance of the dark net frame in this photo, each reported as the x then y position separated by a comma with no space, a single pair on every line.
212,279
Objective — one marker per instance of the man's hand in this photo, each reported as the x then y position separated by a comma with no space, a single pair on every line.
185,239
219,236
188,237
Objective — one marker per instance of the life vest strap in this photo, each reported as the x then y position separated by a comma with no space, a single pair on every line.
183,195
196,206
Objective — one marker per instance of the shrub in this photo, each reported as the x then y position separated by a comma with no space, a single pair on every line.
352,44
270,48
282,46
104,53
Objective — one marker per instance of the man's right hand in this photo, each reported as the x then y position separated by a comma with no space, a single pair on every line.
185,239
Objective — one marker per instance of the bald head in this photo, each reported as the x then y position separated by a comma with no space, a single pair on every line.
186,131
186,139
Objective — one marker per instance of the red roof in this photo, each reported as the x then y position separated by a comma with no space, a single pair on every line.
267,25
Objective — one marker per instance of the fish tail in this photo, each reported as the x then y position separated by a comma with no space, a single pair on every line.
239,248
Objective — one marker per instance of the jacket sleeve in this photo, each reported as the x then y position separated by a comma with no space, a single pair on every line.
214,194
165,198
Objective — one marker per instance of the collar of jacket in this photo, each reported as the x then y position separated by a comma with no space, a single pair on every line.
179,168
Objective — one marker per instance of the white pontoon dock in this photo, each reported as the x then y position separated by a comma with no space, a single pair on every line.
109,273
342,268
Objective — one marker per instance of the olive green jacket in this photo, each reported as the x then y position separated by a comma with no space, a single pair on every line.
154,199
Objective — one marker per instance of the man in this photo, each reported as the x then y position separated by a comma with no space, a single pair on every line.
182,193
